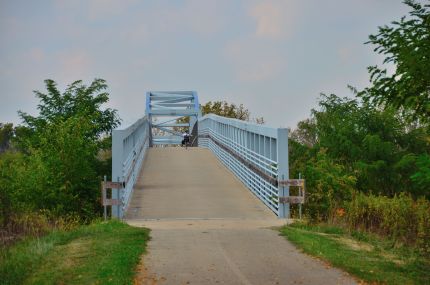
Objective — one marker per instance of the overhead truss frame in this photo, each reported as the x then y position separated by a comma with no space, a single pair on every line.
164,108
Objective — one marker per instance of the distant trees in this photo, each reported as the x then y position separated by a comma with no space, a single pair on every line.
224,109
229,110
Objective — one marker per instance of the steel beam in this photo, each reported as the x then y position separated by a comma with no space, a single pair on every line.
174,104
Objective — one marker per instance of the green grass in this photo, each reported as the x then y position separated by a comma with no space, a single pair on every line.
100,253
366,257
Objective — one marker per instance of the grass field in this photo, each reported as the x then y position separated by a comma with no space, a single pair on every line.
366,257
100,253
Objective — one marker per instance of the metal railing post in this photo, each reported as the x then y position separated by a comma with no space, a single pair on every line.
283,191
117,159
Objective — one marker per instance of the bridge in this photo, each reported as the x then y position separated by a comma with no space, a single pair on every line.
210,206
256,154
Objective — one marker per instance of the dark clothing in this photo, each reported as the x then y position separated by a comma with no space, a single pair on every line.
186,139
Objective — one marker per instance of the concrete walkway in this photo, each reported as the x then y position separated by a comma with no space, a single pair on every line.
207,228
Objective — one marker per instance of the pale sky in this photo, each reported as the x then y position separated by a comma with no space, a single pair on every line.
275,57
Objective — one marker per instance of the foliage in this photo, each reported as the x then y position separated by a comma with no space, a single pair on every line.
230,110
400,218
6,133
66,178
56,164
100,253
10,166
365,256
224,109
328,186
34,224
348,145
378,147
422,176
78,101
406,45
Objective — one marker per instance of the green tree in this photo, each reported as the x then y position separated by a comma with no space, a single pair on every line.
329,186
6,134
62,171
78,100
230,110
224,109
380,151
10,169
406,45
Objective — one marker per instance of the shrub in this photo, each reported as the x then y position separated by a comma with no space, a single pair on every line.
400,218
327,187
35,224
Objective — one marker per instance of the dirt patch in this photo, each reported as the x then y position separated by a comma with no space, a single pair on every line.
393,258
351,243
355,245
74,251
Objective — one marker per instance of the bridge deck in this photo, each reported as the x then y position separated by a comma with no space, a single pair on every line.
183,184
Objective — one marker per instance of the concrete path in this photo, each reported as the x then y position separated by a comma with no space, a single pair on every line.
207,228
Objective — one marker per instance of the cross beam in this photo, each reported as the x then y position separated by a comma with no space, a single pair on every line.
171,106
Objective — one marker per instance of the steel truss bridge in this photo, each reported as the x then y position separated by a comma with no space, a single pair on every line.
256,154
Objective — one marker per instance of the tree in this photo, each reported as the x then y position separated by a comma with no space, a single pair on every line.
61,172
406,45
224,109
305,133
385,153
230,110
78,100
328,185
6,134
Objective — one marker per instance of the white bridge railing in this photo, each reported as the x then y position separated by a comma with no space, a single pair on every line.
256,154
129,147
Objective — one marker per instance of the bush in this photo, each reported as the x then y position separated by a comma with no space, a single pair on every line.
34,224
400,218
327,187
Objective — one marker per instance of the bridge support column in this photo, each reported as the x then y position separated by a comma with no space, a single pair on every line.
283,171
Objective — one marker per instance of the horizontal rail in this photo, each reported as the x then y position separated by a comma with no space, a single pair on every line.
256,154
129,148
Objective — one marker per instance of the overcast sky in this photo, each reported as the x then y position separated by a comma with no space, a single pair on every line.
275,57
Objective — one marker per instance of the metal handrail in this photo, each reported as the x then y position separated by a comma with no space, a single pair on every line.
256,154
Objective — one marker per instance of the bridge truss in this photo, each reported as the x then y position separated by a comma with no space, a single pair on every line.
170,113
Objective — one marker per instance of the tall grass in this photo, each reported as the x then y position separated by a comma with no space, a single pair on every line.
34,224
400,218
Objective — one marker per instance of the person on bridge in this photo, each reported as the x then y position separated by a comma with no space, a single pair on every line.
186,139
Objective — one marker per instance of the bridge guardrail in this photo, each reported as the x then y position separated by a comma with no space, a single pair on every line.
129,147
256,154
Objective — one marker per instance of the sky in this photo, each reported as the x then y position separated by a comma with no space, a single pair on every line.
274,57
